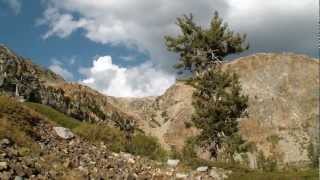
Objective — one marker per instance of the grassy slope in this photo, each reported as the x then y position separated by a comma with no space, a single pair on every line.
54,116
16,124
255,175
112,137
242,173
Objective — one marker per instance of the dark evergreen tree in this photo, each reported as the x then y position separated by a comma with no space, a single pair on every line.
217,100
198,47
218,104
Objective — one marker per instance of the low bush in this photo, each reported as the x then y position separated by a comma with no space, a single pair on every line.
112,137
265,163
313,153
188,124
188,155
146,146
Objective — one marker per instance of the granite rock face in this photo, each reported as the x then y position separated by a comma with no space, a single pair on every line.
283,109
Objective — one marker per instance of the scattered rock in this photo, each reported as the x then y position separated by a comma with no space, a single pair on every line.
202,169
67,163
115,154
219,174
125,155
3,166
64,133
181,176
173,162
5,175
4,142
18,178
84,170
131,161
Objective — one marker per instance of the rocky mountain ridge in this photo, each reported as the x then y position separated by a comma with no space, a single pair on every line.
20,78
283,109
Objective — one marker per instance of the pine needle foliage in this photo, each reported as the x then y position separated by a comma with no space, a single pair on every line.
218,104
199,47
217,100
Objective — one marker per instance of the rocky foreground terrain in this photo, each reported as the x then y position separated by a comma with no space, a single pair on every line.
32,147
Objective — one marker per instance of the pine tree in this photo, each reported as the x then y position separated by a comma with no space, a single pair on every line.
218,104
217,100
198,47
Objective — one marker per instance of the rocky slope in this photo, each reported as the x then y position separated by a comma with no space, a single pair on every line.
283,94
20,78
283,108
163,116
32,147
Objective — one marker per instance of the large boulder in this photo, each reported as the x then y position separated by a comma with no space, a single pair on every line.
173,162
63,133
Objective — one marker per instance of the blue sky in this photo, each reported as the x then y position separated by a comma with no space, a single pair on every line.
116,46
21,33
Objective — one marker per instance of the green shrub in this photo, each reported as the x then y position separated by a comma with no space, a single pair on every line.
233,145
175,154
189,149
112,137
273,139
189,154
265,163
189,157
146,146
164,114
313,153
188,124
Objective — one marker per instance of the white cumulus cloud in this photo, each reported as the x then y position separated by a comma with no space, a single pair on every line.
113,80
272,26
140,24
61,25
